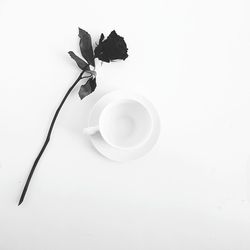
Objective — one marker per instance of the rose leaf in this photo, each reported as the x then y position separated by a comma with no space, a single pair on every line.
81,63
87,88
86,46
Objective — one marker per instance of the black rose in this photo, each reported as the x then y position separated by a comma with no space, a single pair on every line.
112,48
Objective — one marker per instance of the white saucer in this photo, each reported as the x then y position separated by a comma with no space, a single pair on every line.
113,153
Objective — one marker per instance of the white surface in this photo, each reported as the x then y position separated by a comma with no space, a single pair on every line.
191,59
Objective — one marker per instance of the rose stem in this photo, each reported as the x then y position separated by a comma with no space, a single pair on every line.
48,138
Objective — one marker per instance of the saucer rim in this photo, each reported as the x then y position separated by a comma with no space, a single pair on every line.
119,154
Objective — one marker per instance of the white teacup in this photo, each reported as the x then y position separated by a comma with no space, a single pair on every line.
124,124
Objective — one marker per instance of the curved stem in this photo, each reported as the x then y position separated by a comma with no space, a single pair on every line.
47,138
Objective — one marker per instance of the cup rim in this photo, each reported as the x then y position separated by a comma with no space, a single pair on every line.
116,102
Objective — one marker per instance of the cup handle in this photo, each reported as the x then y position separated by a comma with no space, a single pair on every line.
91,130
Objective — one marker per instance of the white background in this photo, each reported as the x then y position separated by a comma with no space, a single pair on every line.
191,192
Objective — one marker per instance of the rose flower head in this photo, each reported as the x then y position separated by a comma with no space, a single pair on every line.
111,48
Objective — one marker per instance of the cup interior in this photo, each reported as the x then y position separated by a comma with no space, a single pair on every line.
125,123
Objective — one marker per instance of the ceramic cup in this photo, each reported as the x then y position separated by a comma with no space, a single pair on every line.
124,124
